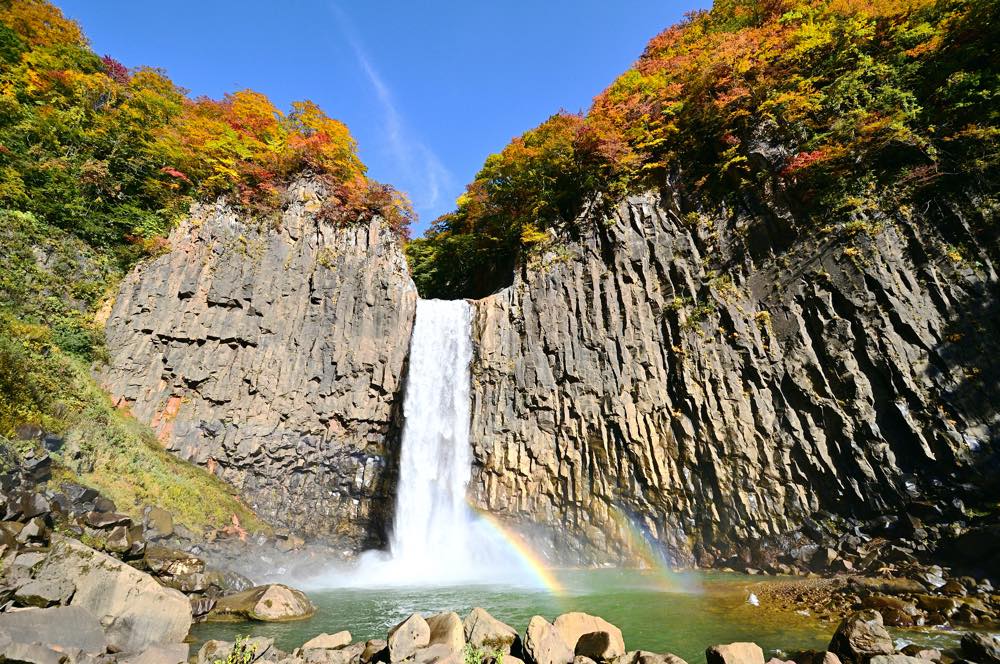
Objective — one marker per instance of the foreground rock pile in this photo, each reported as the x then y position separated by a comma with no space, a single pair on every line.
576,638
81,582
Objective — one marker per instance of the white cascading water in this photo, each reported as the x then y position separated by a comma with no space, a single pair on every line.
437,538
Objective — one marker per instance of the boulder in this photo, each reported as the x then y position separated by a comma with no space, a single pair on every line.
163,561
937,604
106,520
135,610
376,650
544,645
735,653
646,657
896,659
861,636
981,648
447,629
913,650
45,592
328,641
174,653
159,523
598,646
572,626
409,636
487,633
271,603
347,655
64,627
438,653
23,653
583,659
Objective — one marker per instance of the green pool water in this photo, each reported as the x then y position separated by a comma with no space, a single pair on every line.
683,614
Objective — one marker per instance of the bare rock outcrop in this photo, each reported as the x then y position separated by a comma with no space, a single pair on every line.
274,352
716,382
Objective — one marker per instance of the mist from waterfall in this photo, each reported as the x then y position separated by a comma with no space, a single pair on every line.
437,538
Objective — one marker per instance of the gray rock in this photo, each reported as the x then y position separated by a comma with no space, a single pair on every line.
328,641
544,645
375,649
174,653
271,603
159,523
43,593
861,636
409,636
23,653
573,626
134,609
896,659
735,653
438,653
487,633
620,362
196,337
64,627
447,630
981,648
646,657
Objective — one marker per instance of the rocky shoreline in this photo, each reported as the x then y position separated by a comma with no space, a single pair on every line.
82,582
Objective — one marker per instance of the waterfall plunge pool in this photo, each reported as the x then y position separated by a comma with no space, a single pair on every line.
651,615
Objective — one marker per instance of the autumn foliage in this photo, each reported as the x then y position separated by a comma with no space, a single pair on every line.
116,155
820,96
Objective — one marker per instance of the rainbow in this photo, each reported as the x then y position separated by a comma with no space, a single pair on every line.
528,556
640,545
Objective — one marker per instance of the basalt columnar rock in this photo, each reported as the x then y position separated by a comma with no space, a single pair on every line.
717,381
273,352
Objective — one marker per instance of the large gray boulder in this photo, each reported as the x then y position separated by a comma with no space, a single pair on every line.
544,645
409,636
63,627
572,626
860,637
328,641
646,657
487,633
174,653
271,603
447,630
135,610
735,653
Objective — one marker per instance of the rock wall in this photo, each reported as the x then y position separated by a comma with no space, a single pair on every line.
275,355
711,382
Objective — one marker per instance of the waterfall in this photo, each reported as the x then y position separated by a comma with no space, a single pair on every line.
432,519
437,538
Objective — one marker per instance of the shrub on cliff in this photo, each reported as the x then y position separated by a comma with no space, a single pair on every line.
817,99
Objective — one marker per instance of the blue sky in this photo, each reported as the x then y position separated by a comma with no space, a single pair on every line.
429,88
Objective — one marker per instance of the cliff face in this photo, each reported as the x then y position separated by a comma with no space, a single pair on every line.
714,381
275,355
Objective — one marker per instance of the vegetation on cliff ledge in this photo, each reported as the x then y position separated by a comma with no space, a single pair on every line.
824,101
97,162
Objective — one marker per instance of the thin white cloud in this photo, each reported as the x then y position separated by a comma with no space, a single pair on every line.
425,173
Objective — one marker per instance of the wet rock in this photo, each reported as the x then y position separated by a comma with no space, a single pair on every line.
572,626
544,645
328,641
409,636
487,633
64,627
896,618
270,603
735,653
981,648
43,593
134,609
933,603
861,636
447,629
